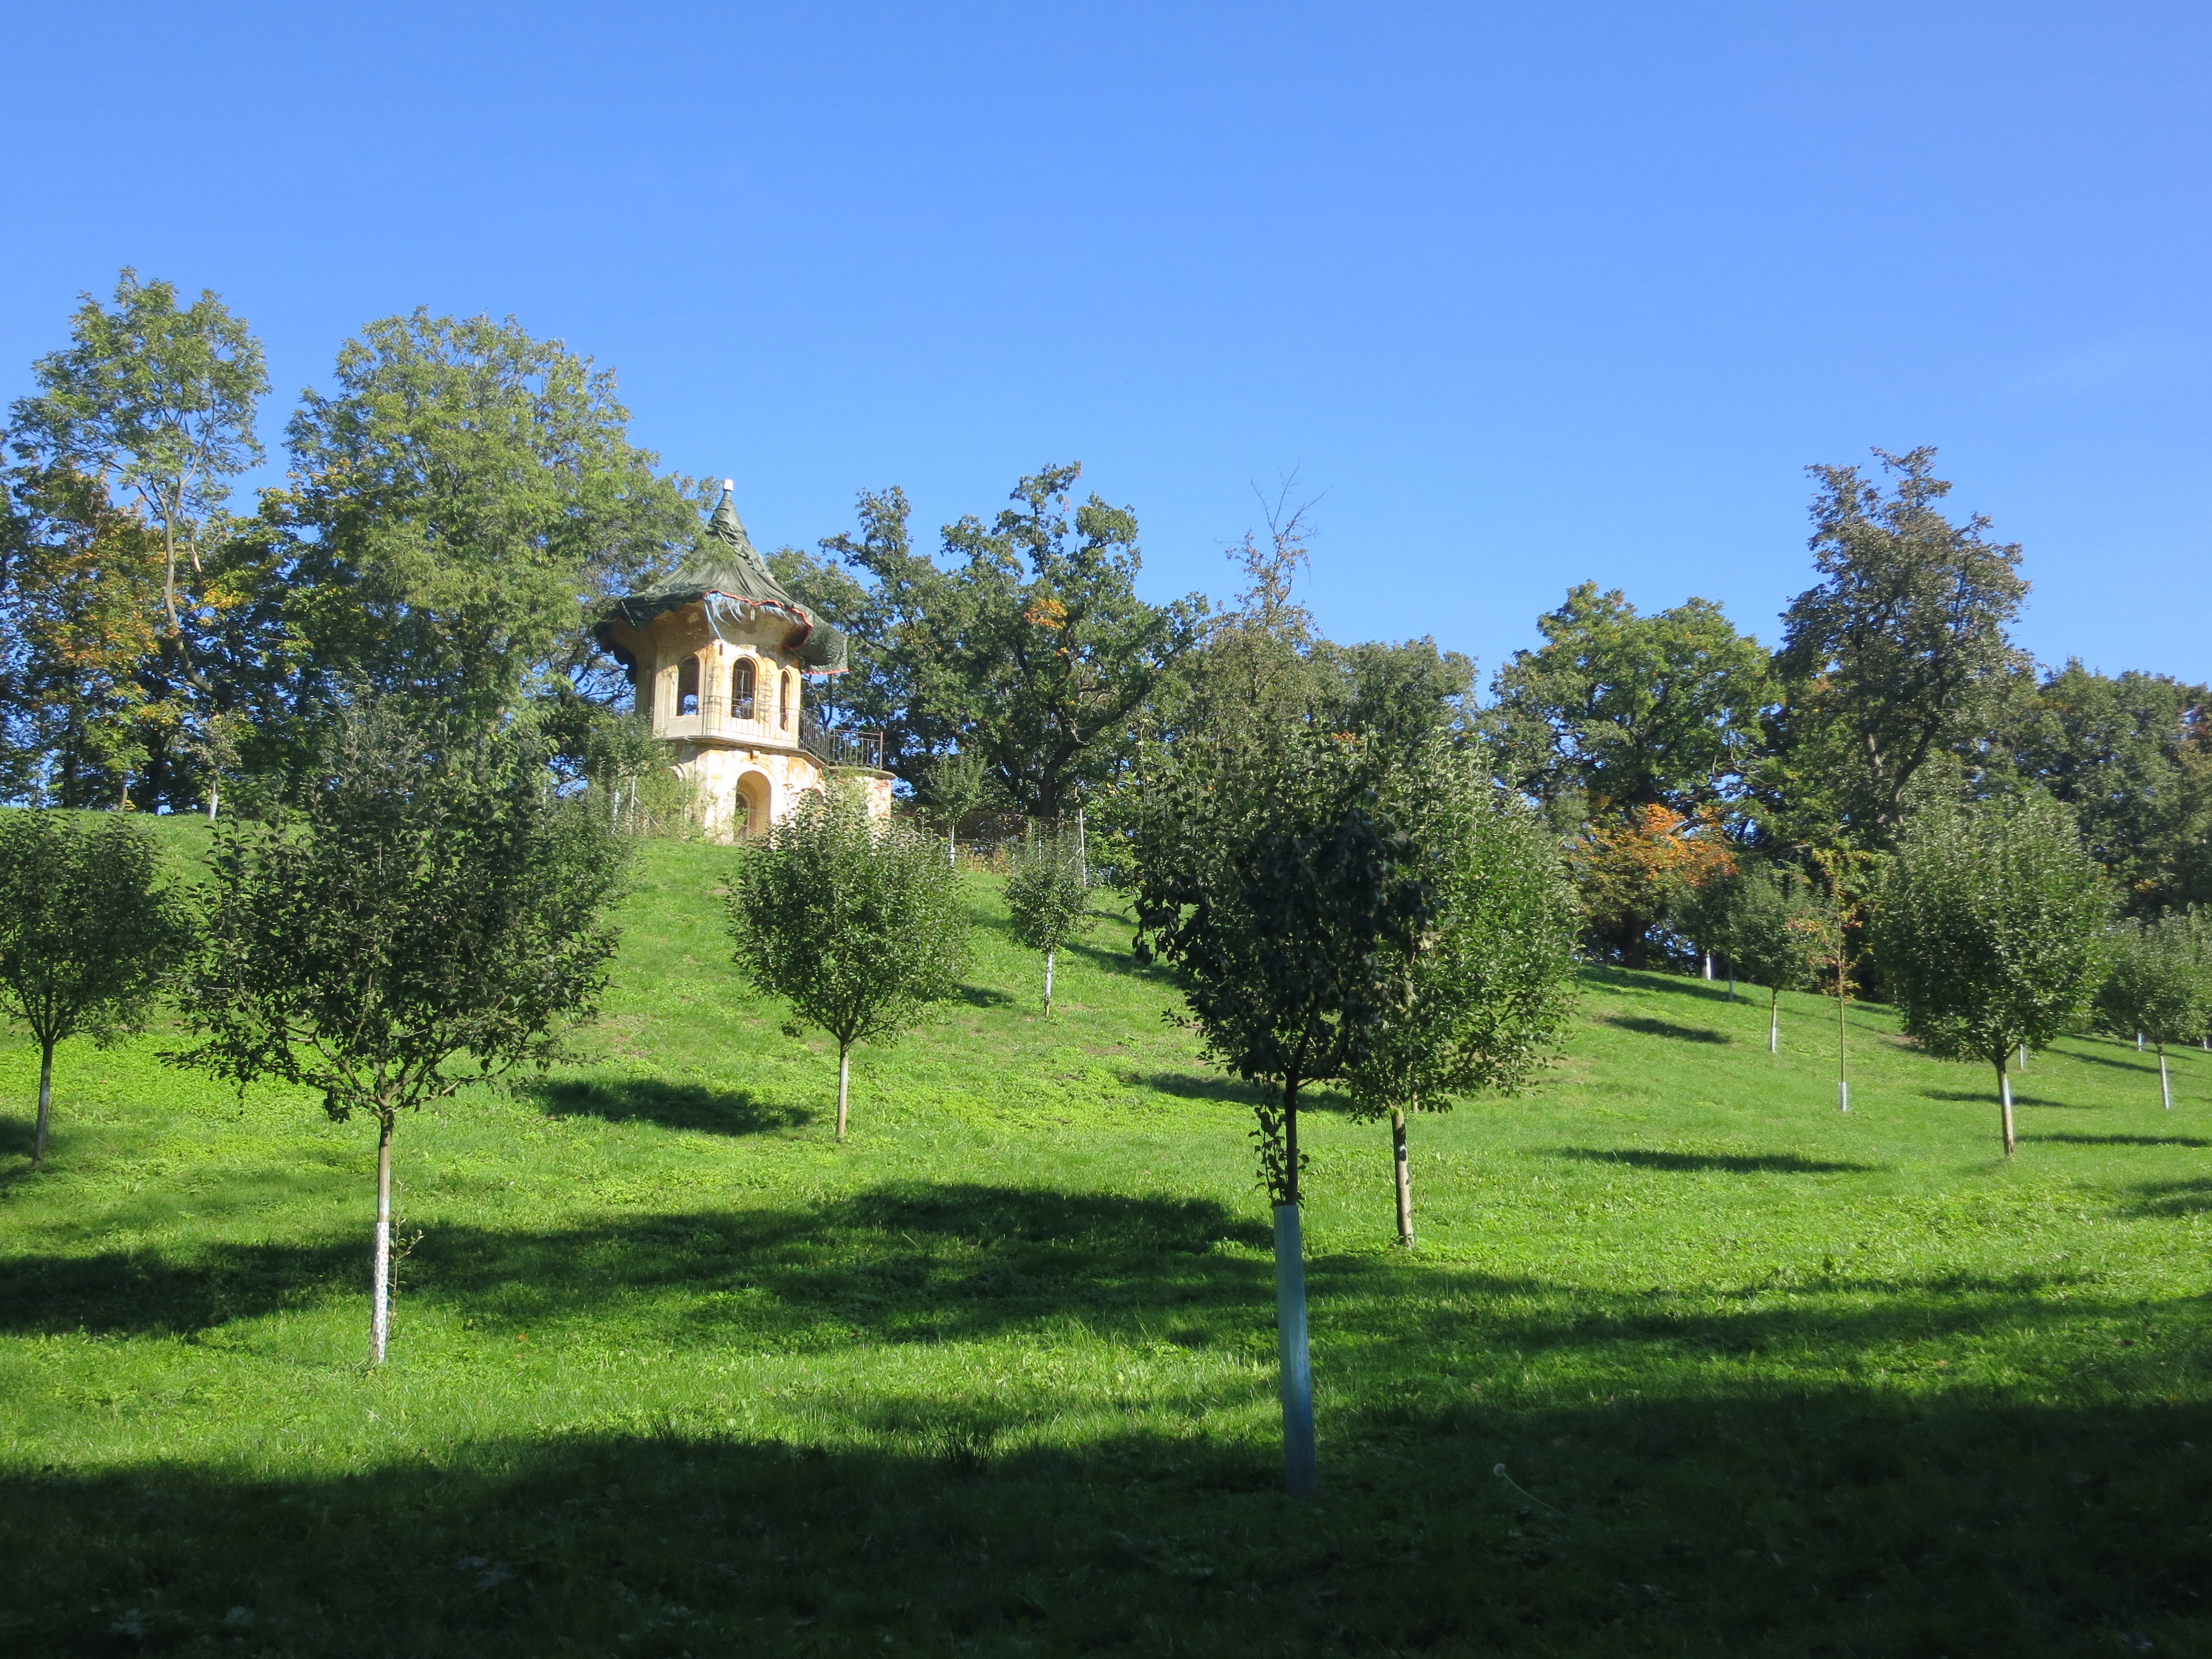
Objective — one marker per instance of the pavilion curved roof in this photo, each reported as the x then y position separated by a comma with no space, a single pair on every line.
728,574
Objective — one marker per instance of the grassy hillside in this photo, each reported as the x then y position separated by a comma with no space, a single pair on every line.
673,1374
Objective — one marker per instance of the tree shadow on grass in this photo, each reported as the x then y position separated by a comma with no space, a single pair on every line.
17,1136
1824,1519
1105,959
690,1106
148,1293
1723,1162
1989,1098
2174,1198
983,996
2138,1063
1660,1027
2122,1140
1201,1086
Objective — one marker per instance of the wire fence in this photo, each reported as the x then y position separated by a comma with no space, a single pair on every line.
990,841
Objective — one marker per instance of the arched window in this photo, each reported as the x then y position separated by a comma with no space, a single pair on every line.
790,698
687,687
741,689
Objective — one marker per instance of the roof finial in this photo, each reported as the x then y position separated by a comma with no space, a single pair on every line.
729,486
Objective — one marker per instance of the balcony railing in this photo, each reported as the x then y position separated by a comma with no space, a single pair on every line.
837,746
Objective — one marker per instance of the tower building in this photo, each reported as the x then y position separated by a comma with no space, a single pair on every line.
721,658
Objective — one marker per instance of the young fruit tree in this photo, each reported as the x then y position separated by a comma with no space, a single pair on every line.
954,785
88,932
1991,928
2159,983
1765,922
1825,934
857,924
1477,998
1281,900
1048,897
433,919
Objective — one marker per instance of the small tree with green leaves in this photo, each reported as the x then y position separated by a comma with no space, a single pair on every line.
1765,922
1481,995
89,929
433,919
857,923
2159,983
1271,883
1048,897
955,786
1990,929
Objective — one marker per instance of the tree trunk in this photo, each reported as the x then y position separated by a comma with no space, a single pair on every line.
1048,982
2023,1056
844,1084
1709,967
1843,1069
214,789
1293,1359
2165,1083
1405,1174
45,1105
1774,1021
2004,1096
1731,995
379,1317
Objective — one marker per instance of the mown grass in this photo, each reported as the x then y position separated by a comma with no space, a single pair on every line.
673,1374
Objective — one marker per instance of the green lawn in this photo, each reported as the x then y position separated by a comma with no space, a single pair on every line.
673,1374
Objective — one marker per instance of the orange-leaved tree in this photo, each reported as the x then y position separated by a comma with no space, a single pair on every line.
1634,871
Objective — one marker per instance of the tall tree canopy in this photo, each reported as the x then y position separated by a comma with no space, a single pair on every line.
1032,651
161,398
465,501
2132,755
155,401
1893,658
82,701
1617,711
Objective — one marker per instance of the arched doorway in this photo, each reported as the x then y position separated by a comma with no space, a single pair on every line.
754,801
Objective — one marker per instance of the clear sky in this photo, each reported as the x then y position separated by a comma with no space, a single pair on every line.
1533,293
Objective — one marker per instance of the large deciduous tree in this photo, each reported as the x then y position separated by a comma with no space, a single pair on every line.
159,397
1031,649
89,930
435,918
1990,926
1892,659
1478,997
82,699
2132,754
466,501
156,400
1636,869
857,923
1615,712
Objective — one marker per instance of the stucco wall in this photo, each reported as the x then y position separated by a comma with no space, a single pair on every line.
728,757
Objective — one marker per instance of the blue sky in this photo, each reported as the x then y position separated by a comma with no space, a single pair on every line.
1527,293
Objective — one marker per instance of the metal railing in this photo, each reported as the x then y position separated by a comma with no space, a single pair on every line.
836,746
